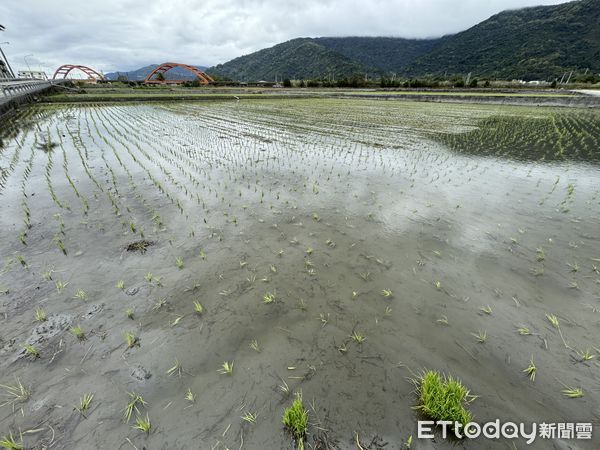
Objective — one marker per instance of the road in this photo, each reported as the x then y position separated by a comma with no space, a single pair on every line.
589,92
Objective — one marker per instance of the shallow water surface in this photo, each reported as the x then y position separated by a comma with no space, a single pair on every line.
296,224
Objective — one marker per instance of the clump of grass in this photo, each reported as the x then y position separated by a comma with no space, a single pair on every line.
78,332
84,403
142,424
10,443
531,370
226,368
295,419
198,307
442,397
40,315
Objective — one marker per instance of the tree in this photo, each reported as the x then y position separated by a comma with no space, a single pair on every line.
287,83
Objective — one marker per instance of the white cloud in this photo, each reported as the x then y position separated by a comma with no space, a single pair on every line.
126,34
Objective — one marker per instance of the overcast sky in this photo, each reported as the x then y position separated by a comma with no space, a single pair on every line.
113,35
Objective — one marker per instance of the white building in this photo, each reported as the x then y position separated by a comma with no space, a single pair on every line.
33,75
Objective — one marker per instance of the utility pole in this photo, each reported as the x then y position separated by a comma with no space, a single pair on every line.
5,60
569,79
10,71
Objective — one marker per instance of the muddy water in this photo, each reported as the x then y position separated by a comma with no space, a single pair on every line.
323,205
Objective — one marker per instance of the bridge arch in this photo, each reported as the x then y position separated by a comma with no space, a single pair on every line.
203,78
65,69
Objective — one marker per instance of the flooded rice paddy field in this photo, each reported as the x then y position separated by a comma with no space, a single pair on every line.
460,238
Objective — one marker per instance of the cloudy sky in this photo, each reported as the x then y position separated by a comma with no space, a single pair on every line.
113,35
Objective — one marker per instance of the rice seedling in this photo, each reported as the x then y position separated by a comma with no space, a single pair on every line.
250,417
148,277
226,368
80,294
175,321
40,315
198,307
572,392
31,351
268,298
324,318
531,369
443,320
295,419
179,262
586,355
10,442
131,339
14,394
486,309
387,312
309,250
284,387
438,285
160,303
554,321
134,400
120,285
142,424
189,396
442,397
84,403
357,337
177,369
387,293
481,336
541,255
130,313
524,331
254,346
78,332
60,286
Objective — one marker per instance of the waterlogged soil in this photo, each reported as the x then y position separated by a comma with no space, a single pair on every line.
350,217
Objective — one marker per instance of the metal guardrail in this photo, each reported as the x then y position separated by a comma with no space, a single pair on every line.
15,88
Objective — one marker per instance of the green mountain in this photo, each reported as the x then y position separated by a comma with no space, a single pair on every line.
541,42
531,43
301,58
388,54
